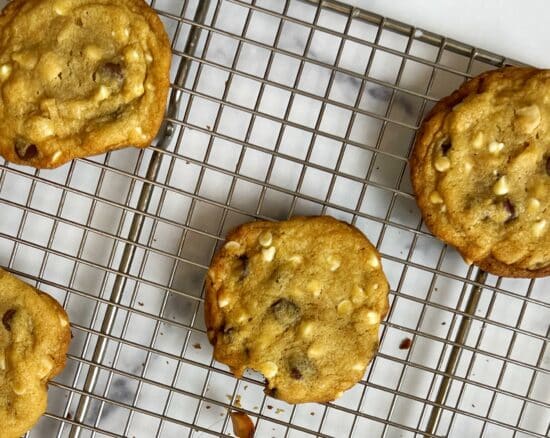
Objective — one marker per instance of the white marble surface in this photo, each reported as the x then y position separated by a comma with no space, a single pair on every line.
518,30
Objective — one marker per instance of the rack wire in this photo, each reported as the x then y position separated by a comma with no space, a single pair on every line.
278,108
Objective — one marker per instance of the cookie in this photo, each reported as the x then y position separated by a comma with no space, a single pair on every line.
34,337
80,78
300,301
480,170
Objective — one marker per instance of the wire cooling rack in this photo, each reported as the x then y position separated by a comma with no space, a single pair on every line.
278,108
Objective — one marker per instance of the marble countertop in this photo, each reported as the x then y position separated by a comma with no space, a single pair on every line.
514,29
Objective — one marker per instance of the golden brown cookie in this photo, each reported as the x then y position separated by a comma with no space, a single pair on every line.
299,301
79,78
34,338
480,169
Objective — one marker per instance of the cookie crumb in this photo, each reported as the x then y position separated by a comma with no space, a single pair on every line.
405,344
243,427
197,346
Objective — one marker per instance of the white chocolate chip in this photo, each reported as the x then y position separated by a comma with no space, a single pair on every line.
102,93
40,127
435,198
345,307
223,299
306,329
468,166
373,261
55,157
442,164
296,259
46,367
266,239
358,366
148,58
372,317
538,227
60,7
477,141
358,295
268,254
315,351
131,55
333,262
242,317
527,119
232,246
269,369
533,205
139,89
138,133
2,360
121,35
501,186
495,147
93,52
314,286
339,395
5,71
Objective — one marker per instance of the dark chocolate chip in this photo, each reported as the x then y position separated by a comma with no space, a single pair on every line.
548,166
285,311
6,319
445,147
295,373
228,335
299,366
24,150
109,72
510,209
245,269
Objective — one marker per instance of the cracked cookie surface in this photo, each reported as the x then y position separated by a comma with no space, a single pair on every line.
79,78
299,301
480,169
34,337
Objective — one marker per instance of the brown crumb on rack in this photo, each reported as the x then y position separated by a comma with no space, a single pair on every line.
140,303
197,346
208,406
243,427
312,413
405,344
237,402
269,407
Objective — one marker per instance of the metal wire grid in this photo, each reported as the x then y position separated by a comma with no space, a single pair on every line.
296,107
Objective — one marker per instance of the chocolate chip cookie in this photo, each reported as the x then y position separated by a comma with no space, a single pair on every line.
480,169
34,337
79,78
300,301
